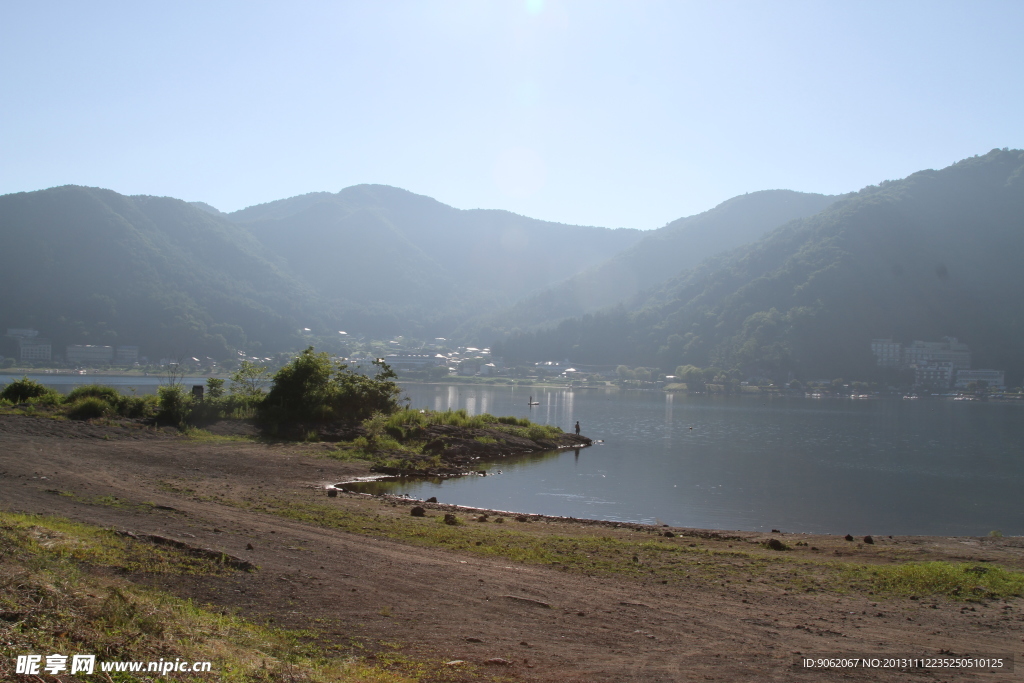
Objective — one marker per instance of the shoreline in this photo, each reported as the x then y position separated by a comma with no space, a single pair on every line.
555,598
699,532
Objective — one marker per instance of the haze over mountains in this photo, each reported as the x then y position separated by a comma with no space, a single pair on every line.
657,256
779,282
396,262
935,254
90,266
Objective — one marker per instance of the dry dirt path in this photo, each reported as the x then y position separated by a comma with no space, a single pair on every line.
431,602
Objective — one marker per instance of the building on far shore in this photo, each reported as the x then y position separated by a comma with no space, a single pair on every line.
994,379
937,374
88,353
36,348
888,354
947,350
126,355
413,361
30,345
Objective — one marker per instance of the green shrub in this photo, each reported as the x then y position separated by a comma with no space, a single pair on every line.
234,406
50,398
108,394
537,432
315,389
174,405
21,390
135,407
88,408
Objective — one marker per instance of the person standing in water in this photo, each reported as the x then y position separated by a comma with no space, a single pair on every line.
577,427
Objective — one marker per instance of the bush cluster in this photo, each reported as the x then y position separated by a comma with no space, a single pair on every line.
82,403
314,389
24,389
404,424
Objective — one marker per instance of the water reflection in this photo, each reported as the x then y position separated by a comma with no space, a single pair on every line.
927,467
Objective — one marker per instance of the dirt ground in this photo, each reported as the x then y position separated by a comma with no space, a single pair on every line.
439,603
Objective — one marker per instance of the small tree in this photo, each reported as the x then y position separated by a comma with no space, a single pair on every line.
249,380
174,373
214,387
361,396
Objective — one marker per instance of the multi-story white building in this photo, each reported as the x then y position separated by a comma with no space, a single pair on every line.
126,355
994,379
947,350
937,374
888,354
22,332
34,348
88,353
30,345
414,361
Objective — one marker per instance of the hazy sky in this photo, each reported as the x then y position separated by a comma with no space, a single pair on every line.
599,113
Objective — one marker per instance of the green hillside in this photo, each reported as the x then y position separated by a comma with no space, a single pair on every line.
90,266
656,257
935,254
404,262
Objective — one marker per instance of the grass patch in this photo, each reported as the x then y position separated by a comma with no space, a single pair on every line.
53,603
652,557
587,554
955,580
405,424
57,540
199,435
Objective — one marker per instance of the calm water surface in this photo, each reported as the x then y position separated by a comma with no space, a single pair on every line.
829,466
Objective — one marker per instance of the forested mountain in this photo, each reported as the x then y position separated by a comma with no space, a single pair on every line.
659,255
935,254
90,266
399,261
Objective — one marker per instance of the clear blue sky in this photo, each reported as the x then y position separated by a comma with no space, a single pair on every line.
598,113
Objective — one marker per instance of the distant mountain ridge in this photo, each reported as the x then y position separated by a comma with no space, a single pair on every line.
659,255
935,254
431,264
88,265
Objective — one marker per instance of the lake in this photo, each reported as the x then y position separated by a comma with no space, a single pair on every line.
934,467
888,466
